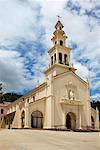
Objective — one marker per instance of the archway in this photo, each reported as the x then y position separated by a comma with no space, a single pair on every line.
92,122
60,58
70,121
37,119
61,42
23,119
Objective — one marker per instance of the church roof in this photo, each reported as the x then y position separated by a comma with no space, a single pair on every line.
73,73
4,104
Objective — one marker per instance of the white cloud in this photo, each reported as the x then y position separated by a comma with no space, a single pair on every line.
17,19
96,97
40,66
96,85
34,21
13,72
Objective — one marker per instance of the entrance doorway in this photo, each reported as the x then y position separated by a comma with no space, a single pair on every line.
70,121
9,119
23,119
37,119
92,122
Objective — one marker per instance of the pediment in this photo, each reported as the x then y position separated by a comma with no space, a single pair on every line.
73,75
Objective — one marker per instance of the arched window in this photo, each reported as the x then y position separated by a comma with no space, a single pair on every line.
60,58
2,111
52,60
65,59
54,57
28,100
61,42
33,98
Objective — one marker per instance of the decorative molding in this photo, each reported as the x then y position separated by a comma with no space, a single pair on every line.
71,85
71,102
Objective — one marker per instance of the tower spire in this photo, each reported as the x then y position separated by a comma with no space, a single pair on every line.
60,54
58,17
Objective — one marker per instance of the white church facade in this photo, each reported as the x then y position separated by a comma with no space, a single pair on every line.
61,102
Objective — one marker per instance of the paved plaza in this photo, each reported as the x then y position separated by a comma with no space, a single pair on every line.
48,140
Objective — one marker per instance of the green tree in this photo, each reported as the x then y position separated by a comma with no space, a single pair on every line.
8,97
1,93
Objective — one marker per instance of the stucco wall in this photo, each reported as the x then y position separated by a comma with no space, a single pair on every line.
40,106
59,89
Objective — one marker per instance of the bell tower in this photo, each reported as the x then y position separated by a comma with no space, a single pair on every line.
59,64
59,53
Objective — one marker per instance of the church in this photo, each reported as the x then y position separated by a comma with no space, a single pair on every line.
61,102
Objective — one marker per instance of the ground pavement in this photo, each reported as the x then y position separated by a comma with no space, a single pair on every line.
48,140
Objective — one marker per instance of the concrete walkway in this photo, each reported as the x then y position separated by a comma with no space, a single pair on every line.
48,140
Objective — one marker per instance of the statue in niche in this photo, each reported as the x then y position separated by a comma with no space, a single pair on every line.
71,95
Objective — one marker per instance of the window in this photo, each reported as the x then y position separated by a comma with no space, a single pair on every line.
54,57
23,99
33,98
28,100
55,42
60,28
65,59
52,60
2,111
61,42
60,58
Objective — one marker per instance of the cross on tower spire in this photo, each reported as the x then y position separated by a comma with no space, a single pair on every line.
58,17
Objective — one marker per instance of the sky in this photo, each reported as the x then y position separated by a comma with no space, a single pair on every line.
26,28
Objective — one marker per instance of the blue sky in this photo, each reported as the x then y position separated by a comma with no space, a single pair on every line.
26,27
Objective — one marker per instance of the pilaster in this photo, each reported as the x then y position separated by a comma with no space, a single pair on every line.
80,121
97,119
26,114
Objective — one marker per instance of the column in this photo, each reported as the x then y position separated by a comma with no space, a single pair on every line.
49,112
57,56
17,118
26,114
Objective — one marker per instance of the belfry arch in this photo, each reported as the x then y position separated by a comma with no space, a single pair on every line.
71,121
37,119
